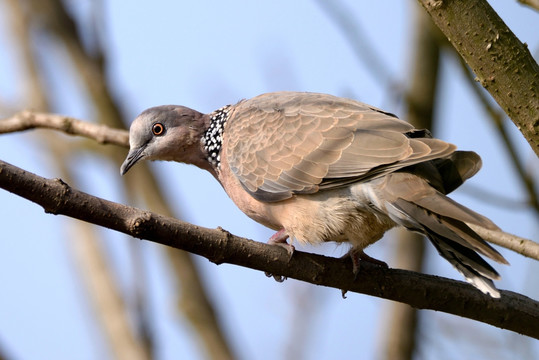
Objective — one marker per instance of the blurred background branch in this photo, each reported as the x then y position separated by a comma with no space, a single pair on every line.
401,327
51,19
100,284
366,53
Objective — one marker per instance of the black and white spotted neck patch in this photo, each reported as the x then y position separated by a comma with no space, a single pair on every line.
212,139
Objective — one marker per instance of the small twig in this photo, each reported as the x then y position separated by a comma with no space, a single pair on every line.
519,245
512,311
534,4
26,120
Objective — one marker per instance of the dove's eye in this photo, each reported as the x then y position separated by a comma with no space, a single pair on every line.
158,129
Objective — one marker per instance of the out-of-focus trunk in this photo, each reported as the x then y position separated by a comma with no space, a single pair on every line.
401,323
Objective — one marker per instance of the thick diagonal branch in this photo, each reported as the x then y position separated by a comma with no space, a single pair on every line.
513,311
502,64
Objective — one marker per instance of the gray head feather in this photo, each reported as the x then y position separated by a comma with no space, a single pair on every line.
163,133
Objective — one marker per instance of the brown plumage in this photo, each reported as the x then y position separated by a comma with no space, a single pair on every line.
318,168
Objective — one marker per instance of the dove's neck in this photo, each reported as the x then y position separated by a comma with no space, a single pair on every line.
212,139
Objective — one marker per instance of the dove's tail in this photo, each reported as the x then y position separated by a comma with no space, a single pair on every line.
412,202
455,241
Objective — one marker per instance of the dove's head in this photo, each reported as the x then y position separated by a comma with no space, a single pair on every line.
167,132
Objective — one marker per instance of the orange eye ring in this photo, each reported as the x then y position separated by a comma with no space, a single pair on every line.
158,129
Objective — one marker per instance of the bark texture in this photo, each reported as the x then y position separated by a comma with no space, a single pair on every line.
501,62
513,311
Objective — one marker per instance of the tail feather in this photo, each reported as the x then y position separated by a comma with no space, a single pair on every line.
456,168
443,222
443,205
464,231
474,269
450,228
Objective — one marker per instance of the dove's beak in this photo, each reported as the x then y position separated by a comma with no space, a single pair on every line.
133,157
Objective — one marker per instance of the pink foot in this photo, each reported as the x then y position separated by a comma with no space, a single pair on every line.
279,239
358,256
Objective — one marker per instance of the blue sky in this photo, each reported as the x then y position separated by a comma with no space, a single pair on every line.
204,55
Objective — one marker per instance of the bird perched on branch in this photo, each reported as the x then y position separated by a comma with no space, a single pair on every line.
317,168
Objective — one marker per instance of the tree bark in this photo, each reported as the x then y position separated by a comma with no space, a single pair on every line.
502,64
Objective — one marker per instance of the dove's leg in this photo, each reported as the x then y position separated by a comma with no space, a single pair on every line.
279,239
357,256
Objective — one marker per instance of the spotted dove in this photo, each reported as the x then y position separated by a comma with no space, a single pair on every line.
317,168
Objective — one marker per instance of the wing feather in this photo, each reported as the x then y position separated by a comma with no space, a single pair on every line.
286,143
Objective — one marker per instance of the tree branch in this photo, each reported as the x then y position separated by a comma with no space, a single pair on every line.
513,311
498,116
519,245
534,4
25,120
502,64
